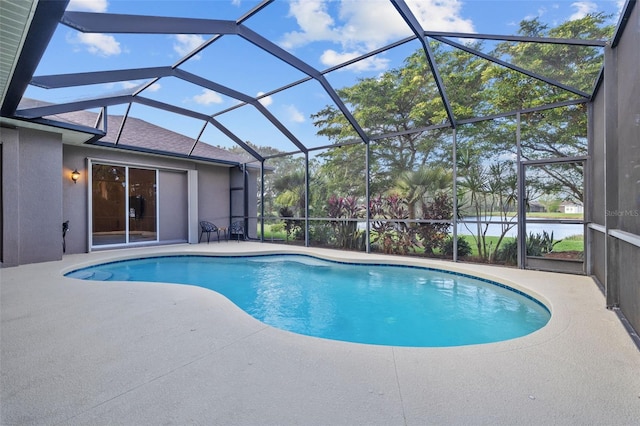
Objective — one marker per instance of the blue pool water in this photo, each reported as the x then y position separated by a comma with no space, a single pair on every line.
374,304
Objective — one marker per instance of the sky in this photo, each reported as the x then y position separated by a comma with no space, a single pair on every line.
322,33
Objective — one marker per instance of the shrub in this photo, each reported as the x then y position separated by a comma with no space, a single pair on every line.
277,227
291,226
464,248
508,253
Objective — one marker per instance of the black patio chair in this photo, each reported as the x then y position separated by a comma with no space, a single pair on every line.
65,229
237,229
208,228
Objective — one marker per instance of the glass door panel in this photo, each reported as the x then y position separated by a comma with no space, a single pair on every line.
142,205
108,204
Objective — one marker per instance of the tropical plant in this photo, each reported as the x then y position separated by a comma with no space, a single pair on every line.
392,232
434,234
540,244
344,210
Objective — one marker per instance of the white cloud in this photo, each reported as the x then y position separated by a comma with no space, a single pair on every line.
358,26
583,8
134,85
266,101
88,5
370,24
235,2
208,97
314,21
98,44
129,85
330,58
186,43
294,114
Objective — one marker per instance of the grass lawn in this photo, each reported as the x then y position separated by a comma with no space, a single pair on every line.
571,243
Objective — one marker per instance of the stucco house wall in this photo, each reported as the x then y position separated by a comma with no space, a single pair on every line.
32,196
39,195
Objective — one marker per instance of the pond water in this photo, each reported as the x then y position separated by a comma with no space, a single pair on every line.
560,230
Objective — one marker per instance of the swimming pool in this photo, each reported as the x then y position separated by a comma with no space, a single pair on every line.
362,303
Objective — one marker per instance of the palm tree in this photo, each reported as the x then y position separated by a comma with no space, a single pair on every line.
291,190
413,185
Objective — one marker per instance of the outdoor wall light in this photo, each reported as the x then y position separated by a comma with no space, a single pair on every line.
75,174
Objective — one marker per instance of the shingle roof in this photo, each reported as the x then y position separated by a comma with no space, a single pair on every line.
142,135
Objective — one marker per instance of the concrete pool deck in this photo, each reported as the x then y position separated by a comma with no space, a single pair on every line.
91,353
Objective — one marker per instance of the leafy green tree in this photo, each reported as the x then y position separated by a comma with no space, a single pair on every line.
397,101
550,202
559,132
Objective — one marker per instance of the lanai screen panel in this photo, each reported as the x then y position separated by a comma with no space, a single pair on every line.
487,187
284,198
154,129
572,65
412,192
212,141
337,32
296,108
338,200
236,63
183,94
390,92
555,133
248,124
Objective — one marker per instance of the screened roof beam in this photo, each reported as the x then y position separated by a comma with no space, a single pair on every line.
202,82
88,78
622,23
38,112
195,142
416,28
99,77
234,138
512,67
369,54
326,71
524,39
44,111
302,66
199,116
136,24
111,23
524,111
124,121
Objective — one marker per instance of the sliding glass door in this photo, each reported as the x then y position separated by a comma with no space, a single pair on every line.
142,205
123,205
